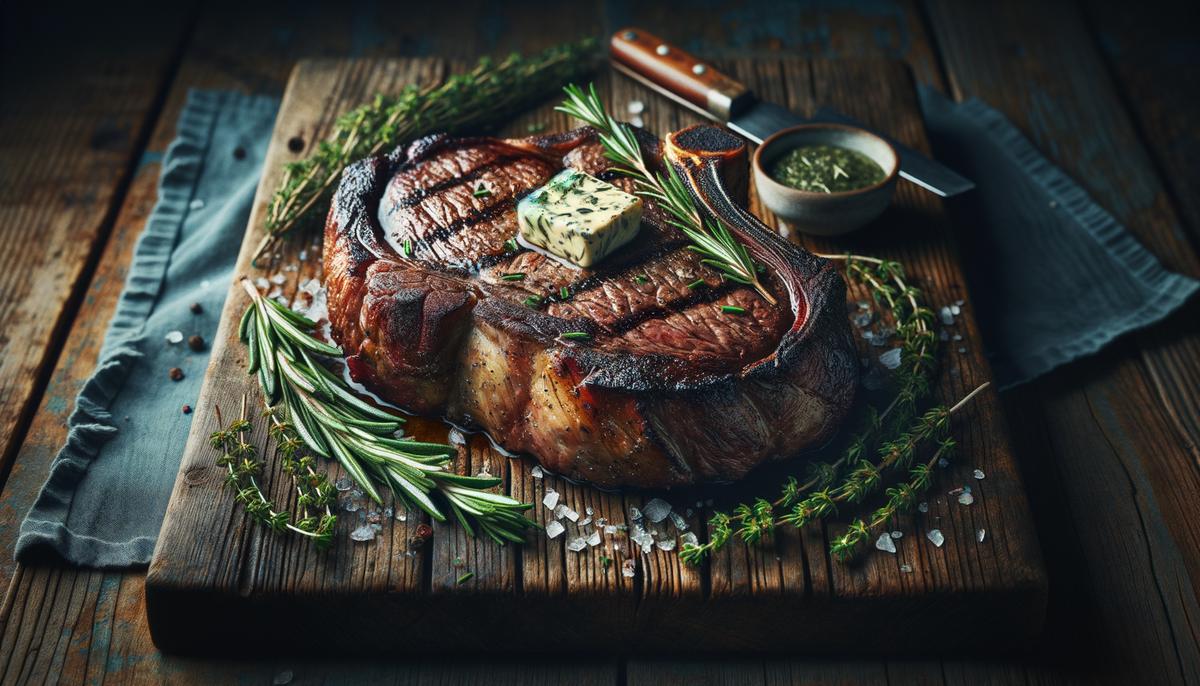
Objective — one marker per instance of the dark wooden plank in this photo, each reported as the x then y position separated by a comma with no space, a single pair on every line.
66,155
1077,118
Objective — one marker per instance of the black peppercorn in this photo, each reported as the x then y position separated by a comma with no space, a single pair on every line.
196,308
176,374
196,343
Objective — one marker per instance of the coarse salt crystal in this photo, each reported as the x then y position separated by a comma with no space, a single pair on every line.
906,568
401,517
897,534
955,309
957,336
943,462
679,522
689,538
966,498
589,511
554,528
935,537
278,279
572,515
962,351
551,499
636,107
343,484
886,544
979,474
594,539
629,568
666,544
946,315
196,204
637,121
363,533
456,437
610,529
657,510
923,507
576,544
980,534
537,472
174,337
262,284
585,521
560,510
891,358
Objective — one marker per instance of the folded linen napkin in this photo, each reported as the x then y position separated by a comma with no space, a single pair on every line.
1061,278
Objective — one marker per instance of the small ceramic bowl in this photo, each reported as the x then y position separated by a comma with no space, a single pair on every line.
826,214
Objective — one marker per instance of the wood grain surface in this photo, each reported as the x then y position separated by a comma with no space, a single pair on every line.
1085,436
240,571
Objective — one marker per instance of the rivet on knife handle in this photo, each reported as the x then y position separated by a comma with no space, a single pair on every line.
677,73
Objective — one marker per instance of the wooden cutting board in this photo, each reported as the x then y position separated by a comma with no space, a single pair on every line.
217,583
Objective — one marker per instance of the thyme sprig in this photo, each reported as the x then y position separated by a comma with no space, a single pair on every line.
891,434
322,411
492,91
243,469
710,237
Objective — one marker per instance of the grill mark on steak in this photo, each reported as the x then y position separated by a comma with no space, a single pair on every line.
422,192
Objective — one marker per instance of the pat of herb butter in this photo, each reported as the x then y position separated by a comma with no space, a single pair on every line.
579,217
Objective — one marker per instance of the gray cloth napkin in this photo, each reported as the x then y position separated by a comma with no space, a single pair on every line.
108,486
1059,278
1053,275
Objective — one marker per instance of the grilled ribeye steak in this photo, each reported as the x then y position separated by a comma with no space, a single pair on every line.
669,389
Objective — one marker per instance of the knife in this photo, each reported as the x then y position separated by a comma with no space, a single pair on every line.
698,86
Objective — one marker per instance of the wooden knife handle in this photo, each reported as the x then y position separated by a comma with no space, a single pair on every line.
679,74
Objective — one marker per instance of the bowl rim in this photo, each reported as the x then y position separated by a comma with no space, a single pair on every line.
774,138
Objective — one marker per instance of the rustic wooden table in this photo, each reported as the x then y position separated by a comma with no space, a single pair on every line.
1109,447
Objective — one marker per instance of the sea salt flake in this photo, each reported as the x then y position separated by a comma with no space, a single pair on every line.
456,437
363,533
551,499
657,510
262,284
629,568
666,544
935,537
980,534
689,538
978,474
594,539
923,507
174,337
955,309
636,107
278,279
637,121
679,522
946,315
886,544
537,472
560,510
891,358
196,204
897,534
554,528
906,568
585,521
610,530
571,515
401,517
351,505
576,544
966,498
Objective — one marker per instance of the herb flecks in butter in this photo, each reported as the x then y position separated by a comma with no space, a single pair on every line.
826,169
579,217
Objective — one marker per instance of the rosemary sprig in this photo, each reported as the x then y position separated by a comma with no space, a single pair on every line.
492,91
710,237
335,423
818,496
243,469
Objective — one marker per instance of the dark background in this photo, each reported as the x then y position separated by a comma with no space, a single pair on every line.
1109,447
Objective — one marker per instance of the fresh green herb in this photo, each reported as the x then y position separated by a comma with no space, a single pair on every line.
818,495
408,247
710,237
481,191
532,301
492,91
335,423
733,309
536,127
576,335
605,561
515,276
826,169
563,293
639,279
511,245
695,284
465,578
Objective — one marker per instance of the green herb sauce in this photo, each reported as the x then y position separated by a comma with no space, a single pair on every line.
826,169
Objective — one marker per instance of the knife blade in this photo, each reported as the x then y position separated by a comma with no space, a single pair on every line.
698,86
